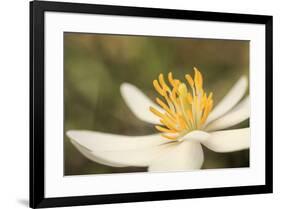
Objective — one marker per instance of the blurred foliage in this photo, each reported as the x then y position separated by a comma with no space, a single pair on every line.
96,65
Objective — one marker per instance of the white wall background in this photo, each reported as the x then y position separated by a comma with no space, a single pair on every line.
14,103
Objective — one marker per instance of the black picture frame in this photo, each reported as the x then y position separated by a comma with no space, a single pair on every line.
37,101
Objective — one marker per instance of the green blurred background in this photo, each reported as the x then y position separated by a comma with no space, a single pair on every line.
95,66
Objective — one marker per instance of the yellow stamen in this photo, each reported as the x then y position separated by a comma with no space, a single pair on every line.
184,110
156,112
169,125
163,83
189,98
170,78
189,79
158,88
164,106
182,123
198,78
190,116
162,129
169,137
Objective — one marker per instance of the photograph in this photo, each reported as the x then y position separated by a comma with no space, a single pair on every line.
140,104
135,103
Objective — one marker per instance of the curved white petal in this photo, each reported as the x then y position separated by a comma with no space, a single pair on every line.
94,140
116,150
178,156
139,103
229,141
240,113
230,100
196,136
88,154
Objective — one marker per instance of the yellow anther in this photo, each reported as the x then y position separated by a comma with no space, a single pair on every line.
162,129
164,106
170,125
176,83
205,114
158,88
189,98
170,78
182,89
163,83
174,92
156,112
169,136
189,80
170,118
198,78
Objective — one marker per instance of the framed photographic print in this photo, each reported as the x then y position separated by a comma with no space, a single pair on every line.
135,104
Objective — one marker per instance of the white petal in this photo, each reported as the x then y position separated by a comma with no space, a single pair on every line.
116,150
230,100
88,154
94,140
240,113
196,136
229,141
139,103
178,156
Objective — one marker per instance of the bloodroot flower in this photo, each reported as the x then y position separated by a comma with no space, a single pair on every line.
186,119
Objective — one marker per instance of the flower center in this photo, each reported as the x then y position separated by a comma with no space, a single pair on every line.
184,110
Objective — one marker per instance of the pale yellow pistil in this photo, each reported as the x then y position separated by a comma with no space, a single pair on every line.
184,110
